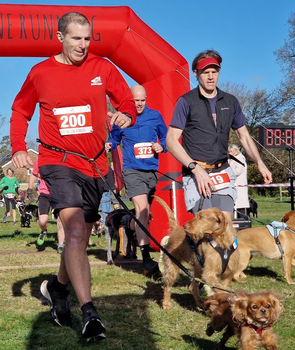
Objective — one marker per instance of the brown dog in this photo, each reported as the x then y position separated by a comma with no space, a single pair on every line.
250,316
209,223
257,240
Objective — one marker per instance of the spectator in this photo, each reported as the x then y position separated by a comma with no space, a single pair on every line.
203,118
71,88
142,144
10,187
239,166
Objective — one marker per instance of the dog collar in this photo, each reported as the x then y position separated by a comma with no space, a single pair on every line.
257,330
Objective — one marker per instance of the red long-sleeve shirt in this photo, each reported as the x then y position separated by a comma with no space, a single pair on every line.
73,110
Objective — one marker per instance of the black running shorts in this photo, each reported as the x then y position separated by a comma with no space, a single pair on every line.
69,188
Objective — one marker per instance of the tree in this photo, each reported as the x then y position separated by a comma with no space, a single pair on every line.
285,57
3,121
5,145
259,106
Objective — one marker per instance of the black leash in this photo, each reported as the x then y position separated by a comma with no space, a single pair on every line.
243,217
169,177
235,159
164,250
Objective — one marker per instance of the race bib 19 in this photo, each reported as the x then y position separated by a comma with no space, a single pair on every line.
221,180
73,120
143,150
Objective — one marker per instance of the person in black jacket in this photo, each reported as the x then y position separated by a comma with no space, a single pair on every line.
204,117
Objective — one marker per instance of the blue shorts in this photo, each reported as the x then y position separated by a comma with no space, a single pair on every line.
69,188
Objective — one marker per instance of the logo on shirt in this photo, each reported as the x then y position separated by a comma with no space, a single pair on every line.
96,81
224,108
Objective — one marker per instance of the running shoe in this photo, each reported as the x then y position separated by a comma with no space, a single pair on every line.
60,249
41,238
14,223
150,267
58,300
4,219
92,326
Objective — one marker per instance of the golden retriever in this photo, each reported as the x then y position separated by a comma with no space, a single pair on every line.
258,240
207,224
250,316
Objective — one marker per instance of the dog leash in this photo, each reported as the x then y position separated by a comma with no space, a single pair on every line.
164,250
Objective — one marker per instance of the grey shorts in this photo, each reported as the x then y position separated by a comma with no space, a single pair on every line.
223,199
140,182
69,188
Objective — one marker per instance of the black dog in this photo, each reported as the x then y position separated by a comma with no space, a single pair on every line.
26,213
253,207
116,219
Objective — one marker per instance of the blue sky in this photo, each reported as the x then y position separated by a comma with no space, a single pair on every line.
246,33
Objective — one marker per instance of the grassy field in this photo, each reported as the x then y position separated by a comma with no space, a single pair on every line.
128,302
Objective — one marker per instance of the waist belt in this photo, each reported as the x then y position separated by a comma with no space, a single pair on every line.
216,165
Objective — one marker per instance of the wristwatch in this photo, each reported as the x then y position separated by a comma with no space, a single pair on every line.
192,165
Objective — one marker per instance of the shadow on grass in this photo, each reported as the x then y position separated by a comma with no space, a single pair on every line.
261,271
47,244
203,343
119,313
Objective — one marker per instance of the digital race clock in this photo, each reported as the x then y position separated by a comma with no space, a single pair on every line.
277,136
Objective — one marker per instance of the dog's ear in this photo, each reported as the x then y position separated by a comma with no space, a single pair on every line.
288,216
277,307
210,303
238,304
221,221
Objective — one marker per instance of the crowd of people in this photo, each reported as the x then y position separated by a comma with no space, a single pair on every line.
75,82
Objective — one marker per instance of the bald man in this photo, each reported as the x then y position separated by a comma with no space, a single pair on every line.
142,144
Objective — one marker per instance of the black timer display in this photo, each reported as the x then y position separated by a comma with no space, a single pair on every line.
277,136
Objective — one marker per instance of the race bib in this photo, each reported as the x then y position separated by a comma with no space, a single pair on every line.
73,120
143,150
10,195
221,180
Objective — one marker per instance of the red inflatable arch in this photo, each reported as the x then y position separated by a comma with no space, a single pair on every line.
120,35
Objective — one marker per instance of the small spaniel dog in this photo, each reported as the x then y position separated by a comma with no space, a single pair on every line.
250,316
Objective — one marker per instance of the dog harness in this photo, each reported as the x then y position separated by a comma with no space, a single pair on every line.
275,228
224,253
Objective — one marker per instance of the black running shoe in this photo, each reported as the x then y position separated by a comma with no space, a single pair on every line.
60,310
150,267
92,325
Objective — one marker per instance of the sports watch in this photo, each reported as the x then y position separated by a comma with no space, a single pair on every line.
192,165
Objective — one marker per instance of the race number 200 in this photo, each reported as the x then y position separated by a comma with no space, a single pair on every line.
73,120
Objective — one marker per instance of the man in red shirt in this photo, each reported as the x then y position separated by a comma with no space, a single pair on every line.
71,89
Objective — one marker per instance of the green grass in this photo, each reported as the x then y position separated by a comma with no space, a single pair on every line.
128,302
